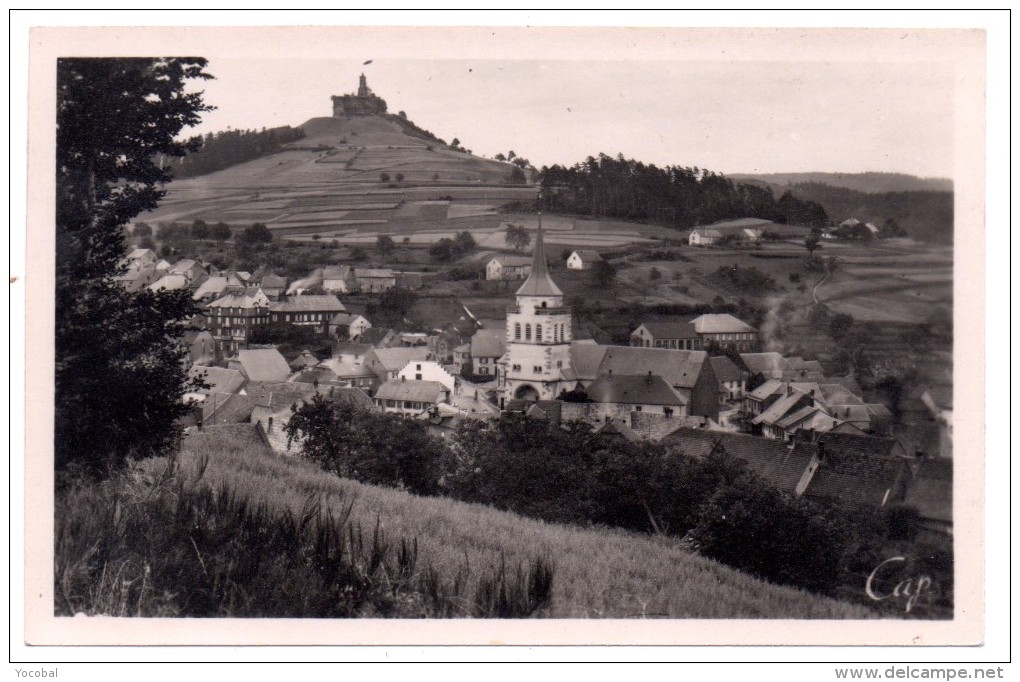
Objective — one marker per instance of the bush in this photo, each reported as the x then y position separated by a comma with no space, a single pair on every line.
384,177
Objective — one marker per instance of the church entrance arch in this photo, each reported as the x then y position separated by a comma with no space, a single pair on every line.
526,392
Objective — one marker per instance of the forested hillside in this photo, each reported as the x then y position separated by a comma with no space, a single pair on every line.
871,183
224,149
677,196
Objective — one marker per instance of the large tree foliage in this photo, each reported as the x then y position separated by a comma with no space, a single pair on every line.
120,372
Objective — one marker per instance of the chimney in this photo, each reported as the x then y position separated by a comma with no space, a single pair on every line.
649,379
821,449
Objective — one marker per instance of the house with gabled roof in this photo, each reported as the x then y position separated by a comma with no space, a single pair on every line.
678,335
730,377
583,259
375,280
505,267
307,310
702,236
725,331
339,279
234,316
617,396
688,371
410,397
487,347
261,364
386,363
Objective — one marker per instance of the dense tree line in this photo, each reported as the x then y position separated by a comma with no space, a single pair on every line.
676,196
572,474
224,149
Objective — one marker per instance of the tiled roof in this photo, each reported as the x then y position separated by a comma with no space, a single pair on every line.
775,461
671,330
678,367
615,427
220,379
588,255
374,273
325,303
585,359
415,391
511,261
214,286
346,370
488,343
353,348
306,359
394,359
770,364
251,298
337,272
769,388
855,478
713,323
781,408
169,283
623,389
263,364
725,369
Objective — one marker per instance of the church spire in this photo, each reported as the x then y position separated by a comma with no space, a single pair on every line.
539,283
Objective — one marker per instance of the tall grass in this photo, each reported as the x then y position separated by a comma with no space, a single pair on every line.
599,572
172,542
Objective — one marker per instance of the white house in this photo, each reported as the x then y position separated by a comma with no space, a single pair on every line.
339,279
583,259
508,268
410,397
703,237
427,370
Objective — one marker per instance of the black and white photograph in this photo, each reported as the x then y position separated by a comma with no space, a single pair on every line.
523,335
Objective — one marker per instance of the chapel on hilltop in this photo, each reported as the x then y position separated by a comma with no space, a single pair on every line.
364,103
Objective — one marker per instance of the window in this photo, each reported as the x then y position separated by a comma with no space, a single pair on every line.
668,411
527,332
417,377
543,304
538,333
517,331
637,408
517,368
538,369
559,363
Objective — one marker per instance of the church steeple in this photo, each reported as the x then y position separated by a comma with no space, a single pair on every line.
539,283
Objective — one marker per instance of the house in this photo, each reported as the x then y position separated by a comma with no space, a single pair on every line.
428,370
757,401
341,371
857,471
274,404
616,396
354,353
272,285
232,318
339,279
508,268
307,310
462,356
799,369
703,237
487,347
442,421
303,361
583,259
676,335
380,337
170,282
375,280
794,402
221,384
410,397
201,347
730,378
348,326
762,367
386,363
688,371
215,286
138,279
725,331
261,364
140,258
190,268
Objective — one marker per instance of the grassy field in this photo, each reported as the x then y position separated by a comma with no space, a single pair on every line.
598,572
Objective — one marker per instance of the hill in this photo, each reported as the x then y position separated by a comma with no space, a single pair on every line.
868,183
347,176
597,573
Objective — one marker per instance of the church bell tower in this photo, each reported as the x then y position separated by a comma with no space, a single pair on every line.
539,332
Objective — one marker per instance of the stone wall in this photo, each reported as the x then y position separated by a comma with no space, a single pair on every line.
352,105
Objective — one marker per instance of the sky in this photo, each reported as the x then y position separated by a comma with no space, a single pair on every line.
780,101
731,117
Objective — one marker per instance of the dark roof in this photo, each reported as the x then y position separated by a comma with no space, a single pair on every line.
418,391
539,283
851,445
773,460
625,389
725,369
671,330
263,364
856,478
352,347
617,428
220,380
677,367
546,410
488,343
769,364
326,303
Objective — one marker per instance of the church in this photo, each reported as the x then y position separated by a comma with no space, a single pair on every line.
537,364
543,360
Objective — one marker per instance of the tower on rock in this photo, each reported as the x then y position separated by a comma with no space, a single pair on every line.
539,332
364,103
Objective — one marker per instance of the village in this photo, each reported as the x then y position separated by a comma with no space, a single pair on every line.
699,382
